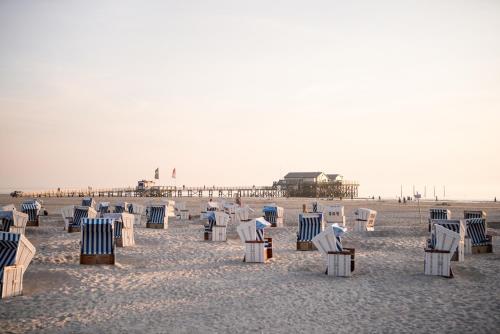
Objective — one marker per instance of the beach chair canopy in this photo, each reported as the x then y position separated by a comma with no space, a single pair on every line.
31,208
97,236
444,239
329,241
363,214
15,249
137,209
8,207
247,231
157,214
121,207
439,213
12,218
81,212
476,231
469,214
88,201
103,207
310,225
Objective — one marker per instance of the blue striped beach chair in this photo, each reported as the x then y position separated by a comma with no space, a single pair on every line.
89,201
16,253
13,221
123,228
438,213
79,213
157,217
274,215
121,207
97,241
439,253
340,260
476,239
457,226
103,208
32,209
310,225
258,248
469,214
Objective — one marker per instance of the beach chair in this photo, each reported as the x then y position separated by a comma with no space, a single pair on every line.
258,249
138,211
340,261
476,239
216,228
310,225
208,228
13,221
16,253
334,214
157,216
67,213
365,220
457,226
123,228
97,241
79,213
89,201
171,209
121,207
243,213
32,209
182,211
438,213
274,215
8,207
103,208
438,254
469,214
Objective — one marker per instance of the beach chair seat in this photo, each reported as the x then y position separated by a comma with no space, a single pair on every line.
365,220
80,212
258,248
157,216
32,209
121,207
476,239
67,213
16,253
437,261
340,261
274,215
97,241
334,214
123,228
455,225
89,201
103,208
310,225
13,221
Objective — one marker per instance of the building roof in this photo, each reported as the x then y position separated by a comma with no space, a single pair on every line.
333,176
302,175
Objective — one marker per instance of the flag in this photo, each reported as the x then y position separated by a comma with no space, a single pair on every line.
173,174
157,174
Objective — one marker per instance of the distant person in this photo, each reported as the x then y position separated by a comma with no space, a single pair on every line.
404,200
379,198
495,199
399,200
238,200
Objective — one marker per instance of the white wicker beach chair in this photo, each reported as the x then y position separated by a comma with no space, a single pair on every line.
274,214
257,248
138,211
243,213
438,254
457,226
67,213
97,241
13,221
310,225
339,260
365,220
334,214
477,241
16,253
123,228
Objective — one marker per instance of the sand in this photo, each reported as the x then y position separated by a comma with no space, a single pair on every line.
173,282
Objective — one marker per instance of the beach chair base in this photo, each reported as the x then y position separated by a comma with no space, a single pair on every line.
184,215
156,226
97,259
306,246
219,233
437,263
486,247
207,236
458,256
341,264
33,223
12,281
126,240
74,229
255,252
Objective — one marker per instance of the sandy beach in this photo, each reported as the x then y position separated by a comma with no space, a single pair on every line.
174,282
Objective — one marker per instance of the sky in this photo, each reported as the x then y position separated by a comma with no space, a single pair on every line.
387,93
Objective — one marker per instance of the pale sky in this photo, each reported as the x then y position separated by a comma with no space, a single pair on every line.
100,93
